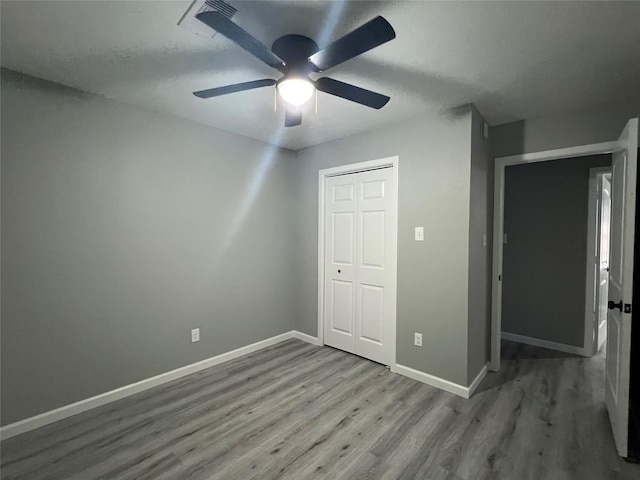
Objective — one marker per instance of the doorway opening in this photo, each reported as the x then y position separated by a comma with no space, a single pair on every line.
546,241
624,154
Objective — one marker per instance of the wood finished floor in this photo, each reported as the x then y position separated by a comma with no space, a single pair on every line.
295,411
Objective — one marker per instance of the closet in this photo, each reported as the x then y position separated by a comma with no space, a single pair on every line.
360,236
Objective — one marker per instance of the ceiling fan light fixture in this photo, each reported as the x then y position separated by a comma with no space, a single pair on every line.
295,91
295,57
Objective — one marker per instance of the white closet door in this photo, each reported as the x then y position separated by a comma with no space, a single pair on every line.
375,265
339,262
360,263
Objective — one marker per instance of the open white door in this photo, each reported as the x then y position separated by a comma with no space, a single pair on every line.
603,260
623,215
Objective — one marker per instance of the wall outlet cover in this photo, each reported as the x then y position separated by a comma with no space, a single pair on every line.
195,335
417,339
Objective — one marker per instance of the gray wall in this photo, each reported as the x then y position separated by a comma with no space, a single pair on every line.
544,269
434,182
480,223
116,227
601,123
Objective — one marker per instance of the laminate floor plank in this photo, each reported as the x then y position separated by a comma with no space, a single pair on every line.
294,411
353,433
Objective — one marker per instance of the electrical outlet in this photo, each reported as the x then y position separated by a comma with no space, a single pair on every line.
419,234
417,339
195,335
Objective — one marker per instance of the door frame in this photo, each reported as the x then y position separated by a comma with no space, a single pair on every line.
387,162
498,224
593,244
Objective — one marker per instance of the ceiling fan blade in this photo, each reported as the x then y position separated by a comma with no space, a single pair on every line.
368,36
292,117
237,87
351,92
233,32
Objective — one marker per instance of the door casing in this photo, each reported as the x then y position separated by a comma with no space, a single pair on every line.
498,224
388,162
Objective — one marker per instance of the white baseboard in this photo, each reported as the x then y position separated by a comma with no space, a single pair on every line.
66,411
536,342
305,338
446,385
476,381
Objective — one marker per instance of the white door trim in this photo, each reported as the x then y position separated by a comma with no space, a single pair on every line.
388,162
593,245
498,224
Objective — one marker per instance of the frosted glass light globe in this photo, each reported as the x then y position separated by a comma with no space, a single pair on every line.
295,91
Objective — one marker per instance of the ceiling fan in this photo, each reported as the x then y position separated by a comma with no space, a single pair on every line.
297,56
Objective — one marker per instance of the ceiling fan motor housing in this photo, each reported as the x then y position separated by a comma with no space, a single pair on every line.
295,50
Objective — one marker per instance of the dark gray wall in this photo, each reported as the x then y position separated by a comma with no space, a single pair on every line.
123,229
480,223
434,183
544,269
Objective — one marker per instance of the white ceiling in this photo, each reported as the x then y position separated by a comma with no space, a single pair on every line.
513,60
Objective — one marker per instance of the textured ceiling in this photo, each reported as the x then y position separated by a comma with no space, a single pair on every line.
513,60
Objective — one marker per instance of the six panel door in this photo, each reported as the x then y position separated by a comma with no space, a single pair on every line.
360,268
621,254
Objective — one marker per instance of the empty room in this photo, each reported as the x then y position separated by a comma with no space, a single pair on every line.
308,239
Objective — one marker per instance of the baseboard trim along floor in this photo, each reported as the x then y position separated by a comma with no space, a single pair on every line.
305,338
446,385
299,411
536,342
66,411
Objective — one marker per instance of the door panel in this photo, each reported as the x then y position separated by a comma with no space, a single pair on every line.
372,239
373,190
375,317
343,239
343,193
621,253
339,262
342,311
372,318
